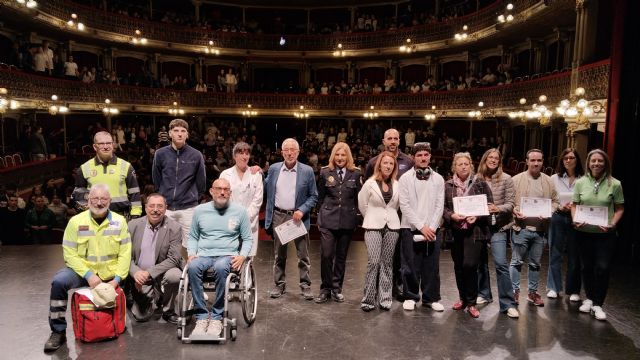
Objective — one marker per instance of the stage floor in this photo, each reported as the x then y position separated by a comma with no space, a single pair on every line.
292,328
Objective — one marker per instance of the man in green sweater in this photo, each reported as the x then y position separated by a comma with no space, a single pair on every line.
218,230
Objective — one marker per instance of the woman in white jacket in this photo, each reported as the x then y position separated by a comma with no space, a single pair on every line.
378,204
246,188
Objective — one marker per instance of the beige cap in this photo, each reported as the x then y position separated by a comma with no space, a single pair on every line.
104,296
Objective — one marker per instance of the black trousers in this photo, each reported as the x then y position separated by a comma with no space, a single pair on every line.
466,254
334,245
420,268
596,254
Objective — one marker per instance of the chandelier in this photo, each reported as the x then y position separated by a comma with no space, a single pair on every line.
481,113
462,36
55,109
576,107
73,23
371,114
407,48
301,114
5,103
507,17
431,116
28,3
109,110
339,52
176,109
249,112
211,50
137,38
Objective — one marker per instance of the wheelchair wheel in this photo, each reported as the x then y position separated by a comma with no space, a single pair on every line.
249,294
184,303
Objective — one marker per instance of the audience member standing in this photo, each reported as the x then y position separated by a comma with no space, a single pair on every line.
230,81
38,146
71,69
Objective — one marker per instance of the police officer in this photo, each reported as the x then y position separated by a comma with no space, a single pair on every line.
338,187
116,173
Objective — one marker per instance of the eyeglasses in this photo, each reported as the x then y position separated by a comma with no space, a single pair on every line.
104,144
95,200
221,189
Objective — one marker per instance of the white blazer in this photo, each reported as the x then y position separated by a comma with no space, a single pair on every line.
375,211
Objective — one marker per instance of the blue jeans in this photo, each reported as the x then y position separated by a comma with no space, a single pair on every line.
63,281
531,243
221,268
561,236
505,288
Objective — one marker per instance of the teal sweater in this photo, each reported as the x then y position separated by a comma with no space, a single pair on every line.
217,232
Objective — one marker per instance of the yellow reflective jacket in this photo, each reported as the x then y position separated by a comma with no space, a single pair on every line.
103,249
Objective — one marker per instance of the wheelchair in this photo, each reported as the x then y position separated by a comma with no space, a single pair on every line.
240,286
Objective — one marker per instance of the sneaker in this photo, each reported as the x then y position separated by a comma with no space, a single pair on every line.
552,294
516,296
409,305
337,296
277,291
55,341
436,306
574,297
473,311
586,306
306,293
201,327
513,313
366,307
322,298
598,313
480,300
458,305
535,299
214,328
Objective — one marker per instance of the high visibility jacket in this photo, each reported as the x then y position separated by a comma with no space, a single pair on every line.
119,176
102,249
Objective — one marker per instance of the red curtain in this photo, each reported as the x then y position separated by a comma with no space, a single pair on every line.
126,65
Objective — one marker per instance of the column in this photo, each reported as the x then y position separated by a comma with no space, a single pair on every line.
198,68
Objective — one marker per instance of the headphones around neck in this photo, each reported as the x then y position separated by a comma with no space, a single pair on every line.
423,174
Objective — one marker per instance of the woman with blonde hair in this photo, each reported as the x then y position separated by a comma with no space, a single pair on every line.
597,243
378,202
470,233
338,186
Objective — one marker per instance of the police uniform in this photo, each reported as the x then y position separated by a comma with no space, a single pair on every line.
119,176
89,249
337,219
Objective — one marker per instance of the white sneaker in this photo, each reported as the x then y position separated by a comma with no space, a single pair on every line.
552,294
574,297
598,313
436,306
513,313
214,328
201,327
480,300
586,306
409,305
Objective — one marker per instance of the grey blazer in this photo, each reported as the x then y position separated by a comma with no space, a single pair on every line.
168,246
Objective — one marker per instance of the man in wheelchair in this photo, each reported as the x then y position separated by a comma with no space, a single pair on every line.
214,239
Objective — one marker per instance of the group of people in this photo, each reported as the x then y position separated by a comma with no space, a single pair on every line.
403,201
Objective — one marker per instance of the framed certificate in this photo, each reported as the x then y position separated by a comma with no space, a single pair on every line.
535,207
475,205
592,215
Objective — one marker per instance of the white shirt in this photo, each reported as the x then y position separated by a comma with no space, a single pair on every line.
70,69
421,201
286,188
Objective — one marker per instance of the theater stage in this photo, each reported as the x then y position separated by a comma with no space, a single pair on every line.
291,328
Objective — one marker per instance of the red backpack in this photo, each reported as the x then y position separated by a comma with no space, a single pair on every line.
91,324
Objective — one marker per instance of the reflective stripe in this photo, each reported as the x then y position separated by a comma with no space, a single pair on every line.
136,203
111,232
125,241
86,307
86,233
56,315
119,199
133,190
70,244
101,258
58,303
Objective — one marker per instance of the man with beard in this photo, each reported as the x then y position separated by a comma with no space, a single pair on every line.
218,230
97,248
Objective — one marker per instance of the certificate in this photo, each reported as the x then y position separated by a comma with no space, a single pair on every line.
565,198
475,205
592,215
290,230
535,207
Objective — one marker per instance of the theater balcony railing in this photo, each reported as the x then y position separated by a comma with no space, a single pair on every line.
34,91
120,29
